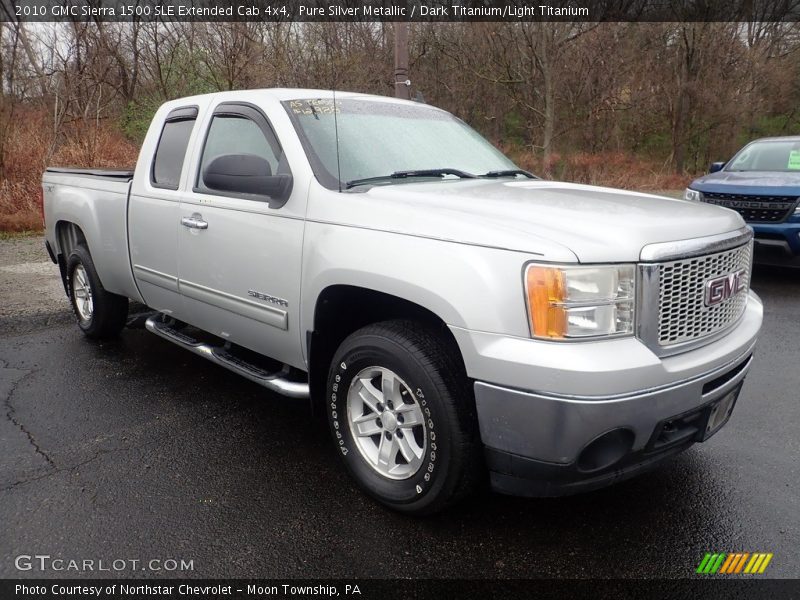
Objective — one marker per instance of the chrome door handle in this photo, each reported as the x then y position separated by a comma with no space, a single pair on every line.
194,222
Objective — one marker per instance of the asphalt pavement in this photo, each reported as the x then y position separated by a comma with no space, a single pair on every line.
136,450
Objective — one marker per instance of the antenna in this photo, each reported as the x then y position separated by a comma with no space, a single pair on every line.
336,134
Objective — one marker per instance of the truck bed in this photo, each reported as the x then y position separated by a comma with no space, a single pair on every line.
121,174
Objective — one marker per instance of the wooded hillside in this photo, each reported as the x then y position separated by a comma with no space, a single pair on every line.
639,105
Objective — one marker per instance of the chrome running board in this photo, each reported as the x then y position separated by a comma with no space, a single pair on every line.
276,381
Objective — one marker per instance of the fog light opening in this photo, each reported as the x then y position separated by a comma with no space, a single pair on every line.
605,450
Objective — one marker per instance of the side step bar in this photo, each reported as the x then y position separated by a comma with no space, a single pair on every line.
274,381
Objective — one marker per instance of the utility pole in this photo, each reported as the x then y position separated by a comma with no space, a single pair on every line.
402,85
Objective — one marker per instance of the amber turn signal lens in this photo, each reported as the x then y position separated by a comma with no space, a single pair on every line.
546,293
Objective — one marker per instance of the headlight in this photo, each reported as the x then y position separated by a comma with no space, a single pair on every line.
693,195
580,302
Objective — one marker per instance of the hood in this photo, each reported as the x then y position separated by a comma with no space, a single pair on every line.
560,221
766,183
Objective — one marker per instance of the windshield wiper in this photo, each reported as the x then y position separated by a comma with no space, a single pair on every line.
509,173
407,174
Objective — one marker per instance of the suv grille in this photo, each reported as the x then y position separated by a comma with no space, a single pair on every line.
755,209
682,314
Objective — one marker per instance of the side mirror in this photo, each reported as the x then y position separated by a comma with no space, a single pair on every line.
716,166
247,174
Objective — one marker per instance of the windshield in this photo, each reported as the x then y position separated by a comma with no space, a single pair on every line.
378,138
767,156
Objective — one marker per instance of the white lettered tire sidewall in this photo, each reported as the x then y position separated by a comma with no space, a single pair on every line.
370,351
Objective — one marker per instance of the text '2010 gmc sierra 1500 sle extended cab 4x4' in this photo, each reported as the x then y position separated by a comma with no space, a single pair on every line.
454,315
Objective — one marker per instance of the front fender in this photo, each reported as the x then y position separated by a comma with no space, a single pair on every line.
464,285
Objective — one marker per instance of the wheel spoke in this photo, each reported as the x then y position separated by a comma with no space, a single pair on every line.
365,418
390,385
368,428
370,395
405,448
80,277
412,415
386,451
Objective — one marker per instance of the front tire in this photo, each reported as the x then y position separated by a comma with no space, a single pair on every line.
402,415
100,313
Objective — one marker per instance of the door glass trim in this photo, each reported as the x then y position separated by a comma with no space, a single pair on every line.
243,110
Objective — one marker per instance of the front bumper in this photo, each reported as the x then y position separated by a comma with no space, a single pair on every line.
777,243
610,440
537,442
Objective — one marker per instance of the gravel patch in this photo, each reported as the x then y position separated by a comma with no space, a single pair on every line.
31,294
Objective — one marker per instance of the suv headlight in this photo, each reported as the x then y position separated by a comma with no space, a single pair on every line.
566,302
692,195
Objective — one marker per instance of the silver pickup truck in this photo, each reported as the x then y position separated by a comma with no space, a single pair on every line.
458,319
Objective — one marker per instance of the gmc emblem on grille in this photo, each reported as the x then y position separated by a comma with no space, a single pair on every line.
722,288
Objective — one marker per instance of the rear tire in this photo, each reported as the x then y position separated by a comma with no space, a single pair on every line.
100,313
402,415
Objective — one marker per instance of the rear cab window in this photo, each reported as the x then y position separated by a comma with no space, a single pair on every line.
171,149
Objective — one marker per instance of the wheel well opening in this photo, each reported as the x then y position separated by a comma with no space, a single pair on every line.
68,235
343,309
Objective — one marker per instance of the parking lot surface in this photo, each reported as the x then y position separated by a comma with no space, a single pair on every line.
136,449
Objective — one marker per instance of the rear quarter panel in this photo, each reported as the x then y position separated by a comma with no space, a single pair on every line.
99,208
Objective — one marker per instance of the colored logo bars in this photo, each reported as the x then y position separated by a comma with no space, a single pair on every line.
734,563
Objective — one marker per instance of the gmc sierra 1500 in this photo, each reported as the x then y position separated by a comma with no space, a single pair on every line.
455,315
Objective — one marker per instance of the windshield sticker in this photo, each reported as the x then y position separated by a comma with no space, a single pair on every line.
313,108
794,160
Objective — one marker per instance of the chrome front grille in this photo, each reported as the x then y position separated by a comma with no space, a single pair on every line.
682,312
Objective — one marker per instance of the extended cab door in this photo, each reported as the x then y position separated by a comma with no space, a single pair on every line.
153,213
240,242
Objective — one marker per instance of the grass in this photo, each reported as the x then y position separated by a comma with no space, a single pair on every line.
13,235
609,169
22,221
